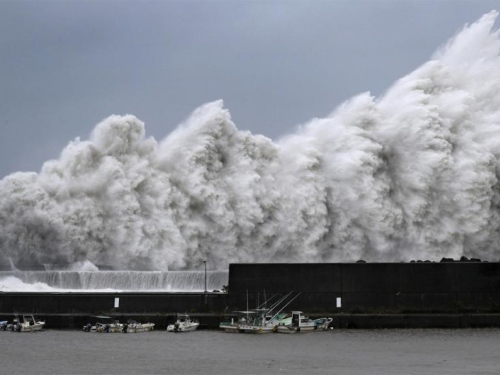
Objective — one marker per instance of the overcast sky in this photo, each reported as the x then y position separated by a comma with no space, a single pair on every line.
64,66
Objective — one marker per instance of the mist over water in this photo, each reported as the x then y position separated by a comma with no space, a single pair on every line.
412,174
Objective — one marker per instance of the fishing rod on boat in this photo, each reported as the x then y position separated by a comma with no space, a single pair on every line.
277,303
266,301
275,315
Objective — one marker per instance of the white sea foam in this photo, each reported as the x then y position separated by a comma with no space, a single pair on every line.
412,174
11,284
111,281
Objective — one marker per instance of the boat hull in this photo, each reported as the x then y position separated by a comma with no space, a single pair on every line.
291,329
256,329
103,330
25,328
183,328
230,328
32,328
147,327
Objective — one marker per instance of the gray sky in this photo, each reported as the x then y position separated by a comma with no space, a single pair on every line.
64,66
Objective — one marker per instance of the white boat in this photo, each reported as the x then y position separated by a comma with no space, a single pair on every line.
322,324
299,323
257,322
234,326
104,324
183,324
261,322
134,327
27,323
245,323
256,329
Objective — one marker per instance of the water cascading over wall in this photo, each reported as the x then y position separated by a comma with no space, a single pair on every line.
173,281
412,174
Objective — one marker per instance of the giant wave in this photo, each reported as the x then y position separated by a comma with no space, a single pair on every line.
411,174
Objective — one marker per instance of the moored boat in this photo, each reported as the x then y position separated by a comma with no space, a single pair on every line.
322,323
259,322
26,323
234,326
261,319
299,323
134,327
183,324
104,324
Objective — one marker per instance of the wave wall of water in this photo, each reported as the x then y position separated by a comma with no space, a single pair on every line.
413,174
172,281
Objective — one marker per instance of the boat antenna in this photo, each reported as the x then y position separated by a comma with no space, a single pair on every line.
265,300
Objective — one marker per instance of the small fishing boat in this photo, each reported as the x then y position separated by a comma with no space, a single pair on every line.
134,327
322,323
262,319
26,323
183,324
298,323
234,326
104,324
259,322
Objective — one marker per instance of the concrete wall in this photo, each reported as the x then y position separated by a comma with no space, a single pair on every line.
371,287
103,303
364,288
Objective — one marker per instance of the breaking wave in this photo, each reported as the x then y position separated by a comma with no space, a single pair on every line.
412,174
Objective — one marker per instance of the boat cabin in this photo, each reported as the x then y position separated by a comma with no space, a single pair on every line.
299,320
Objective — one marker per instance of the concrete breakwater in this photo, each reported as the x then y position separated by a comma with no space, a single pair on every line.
454,287
357,295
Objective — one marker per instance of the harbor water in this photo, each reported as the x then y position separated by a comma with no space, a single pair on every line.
429,351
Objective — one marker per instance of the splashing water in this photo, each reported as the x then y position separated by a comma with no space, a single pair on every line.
412,174
111,281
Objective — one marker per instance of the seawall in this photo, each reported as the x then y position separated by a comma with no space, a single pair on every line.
357,295
455,287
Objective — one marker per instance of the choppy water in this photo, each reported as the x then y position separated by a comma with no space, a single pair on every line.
466,351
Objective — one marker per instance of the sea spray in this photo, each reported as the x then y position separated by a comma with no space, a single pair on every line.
112,281
410,175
